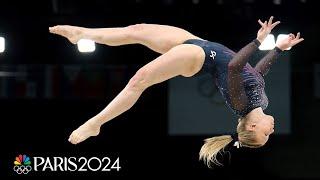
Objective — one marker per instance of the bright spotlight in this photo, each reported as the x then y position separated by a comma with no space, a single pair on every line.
86,45
268,43
2,44
281,37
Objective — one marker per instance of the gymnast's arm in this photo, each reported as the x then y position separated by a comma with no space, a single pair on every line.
265,63
237,93
242,57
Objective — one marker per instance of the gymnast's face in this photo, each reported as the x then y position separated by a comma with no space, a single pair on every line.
263,126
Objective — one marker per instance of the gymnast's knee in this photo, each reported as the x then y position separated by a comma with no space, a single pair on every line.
140,81
134,31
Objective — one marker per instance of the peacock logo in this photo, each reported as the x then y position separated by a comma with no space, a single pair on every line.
22,164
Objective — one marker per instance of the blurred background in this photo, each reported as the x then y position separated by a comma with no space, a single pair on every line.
48,88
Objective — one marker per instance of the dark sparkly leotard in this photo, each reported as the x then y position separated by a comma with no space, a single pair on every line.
241,85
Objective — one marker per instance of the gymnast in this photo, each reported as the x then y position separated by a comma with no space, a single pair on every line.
182,53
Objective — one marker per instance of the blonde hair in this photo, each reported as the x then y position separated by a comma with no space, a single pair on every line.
215,145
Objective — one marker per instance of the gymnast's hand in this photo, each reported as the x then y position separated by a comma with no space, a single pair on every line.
289,41
265,29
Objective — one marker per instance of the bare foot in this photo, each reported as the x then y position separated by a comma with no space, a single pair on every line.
73,33
85,131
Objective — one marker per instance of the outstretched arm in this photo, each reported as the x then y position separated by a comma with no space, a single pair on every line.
242,57
238,96
266,62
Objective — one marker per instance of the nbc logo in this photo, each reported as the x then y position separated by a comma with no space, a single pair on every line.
22,164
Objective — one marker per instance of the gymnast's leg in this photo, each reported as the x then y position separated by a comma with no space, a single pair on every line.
185,60
160,38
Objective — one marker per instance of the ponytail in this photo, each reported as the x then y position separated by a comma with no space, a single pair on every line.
212,147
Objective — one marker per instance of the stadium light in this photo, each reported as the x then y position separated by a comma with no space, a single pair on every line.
2,44
269,43
281,37
86,45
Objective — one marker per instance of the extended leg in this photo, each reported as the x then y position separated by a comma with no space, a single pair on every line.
183,60
159,38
